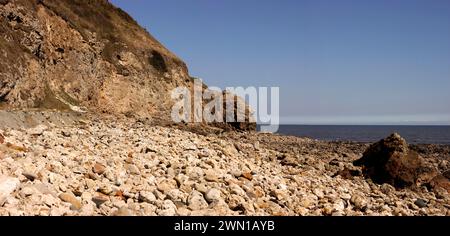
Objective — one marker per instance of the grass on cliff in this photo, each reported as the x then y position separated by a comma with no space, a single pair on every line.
91,15
99,16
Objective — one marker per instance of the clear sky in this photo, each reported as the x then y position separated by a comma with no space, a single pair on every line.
357,62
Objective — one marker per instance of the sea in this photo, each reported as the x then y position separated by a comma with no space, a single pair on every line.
370,133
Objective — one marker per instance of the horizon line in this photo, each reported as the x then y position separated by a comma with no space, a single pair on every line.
362,124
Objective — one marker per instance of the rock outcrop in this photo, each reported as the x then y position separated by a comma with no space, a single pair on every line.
73,53
84,55
391,161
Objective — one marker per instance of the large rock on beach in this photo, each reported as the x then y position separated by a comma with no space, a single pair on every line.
391,161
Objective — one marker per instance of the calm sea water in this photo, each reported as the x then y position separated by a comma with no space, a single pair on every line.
360,133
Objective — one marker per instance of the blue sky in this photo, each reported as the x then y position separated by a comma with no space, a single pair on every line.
336,62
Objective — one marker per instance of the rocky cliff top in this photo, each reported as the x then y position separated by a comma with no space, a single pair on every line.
73,53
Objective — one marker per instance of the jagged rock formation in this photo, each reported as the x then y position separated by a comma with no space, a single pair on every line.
77,54
391,161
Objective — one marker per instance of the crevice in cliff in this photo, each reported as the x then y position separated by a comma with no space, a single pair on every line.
158,62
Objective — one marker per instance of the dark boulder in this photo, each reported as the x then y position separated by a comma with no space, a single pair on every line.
391,161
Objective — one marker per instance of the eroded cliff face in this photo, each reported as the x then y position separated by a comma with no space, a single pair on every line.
83,54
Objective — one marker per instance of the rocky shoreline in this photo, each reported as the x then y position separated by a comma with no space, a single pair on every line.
71,164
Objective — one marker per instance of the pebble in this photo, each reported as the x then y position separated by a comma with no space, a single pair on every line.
133,169
211,176
235,189
421,203
213,195
306,203
30,176
328,210
256,145
196,201
27,191
167,185
339,205
359,202
248,176
106,189
279,194
194,173
200,187
99,199
175,195
147,196
49,200
168,209
236,173
123,211
346,196
387,188
99,168
443,164
70,198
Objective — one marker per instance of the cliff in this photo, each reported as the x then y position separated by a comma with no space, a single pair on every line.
84,55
